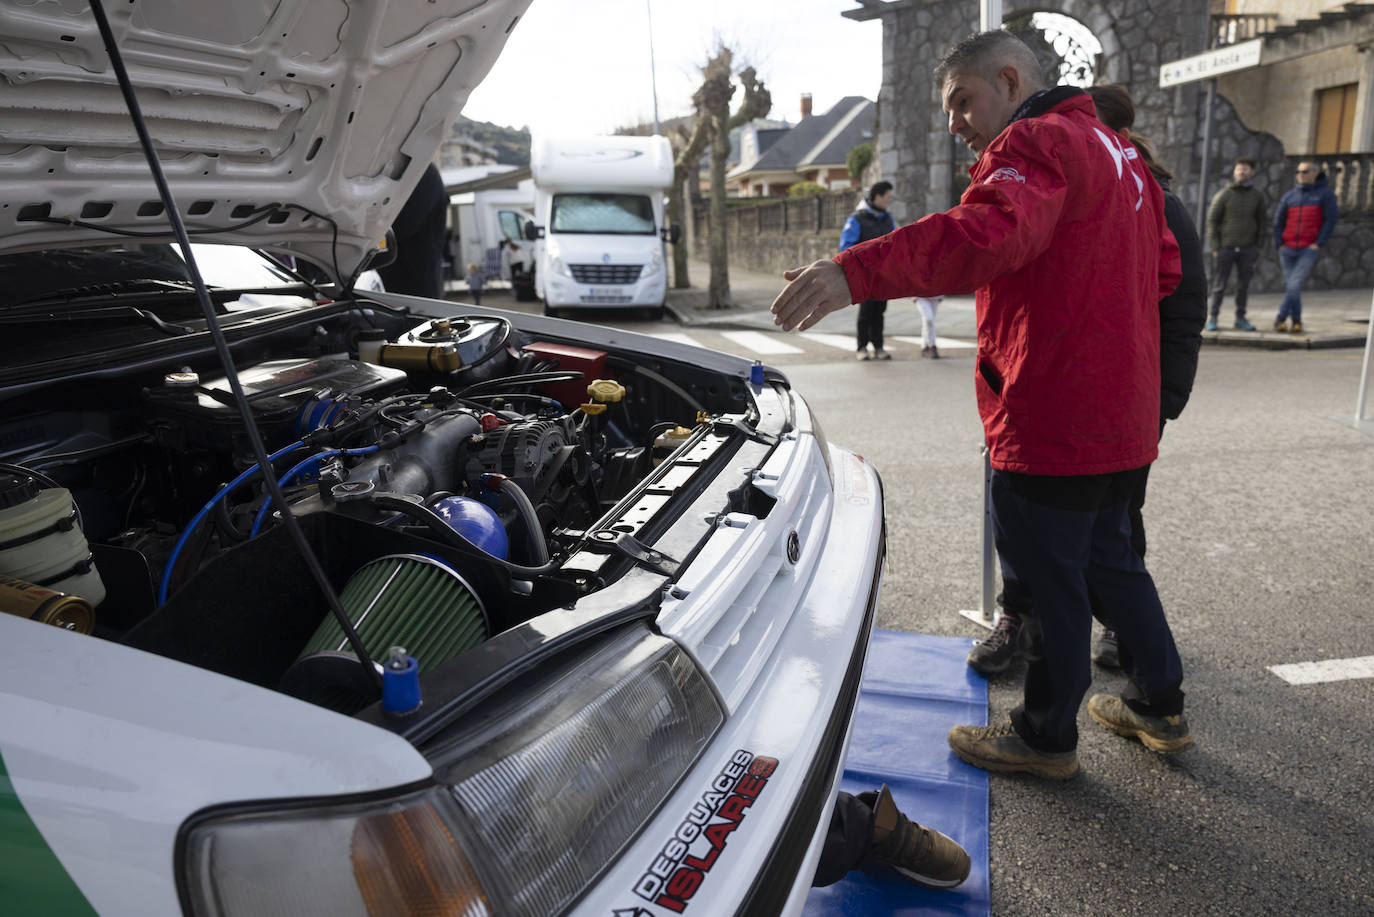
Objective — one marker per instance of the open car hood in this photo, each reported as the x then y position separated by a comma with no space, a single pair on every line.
334,106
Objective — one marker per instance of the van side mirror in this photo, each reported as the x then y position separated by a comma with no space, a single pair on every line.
671,234
533,232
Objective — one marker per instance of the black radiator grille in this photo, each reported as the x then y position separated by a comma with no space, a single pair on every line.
606,273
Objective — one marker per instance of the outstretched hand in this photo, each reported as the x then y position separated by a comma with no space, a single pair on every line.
812,293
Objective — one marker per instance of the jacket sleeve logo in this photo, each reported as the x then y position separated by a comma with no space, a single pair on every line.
1006,173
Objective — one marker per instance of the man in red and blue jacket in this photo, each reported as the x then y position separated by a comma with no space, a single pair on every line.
1061,235
1302,225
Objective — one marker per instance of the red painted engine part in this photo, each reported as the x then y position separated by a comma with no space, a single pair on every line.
591,363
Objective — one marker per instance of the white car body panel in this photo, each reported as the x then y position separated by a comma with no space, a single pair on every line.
335,106
111,749
782,715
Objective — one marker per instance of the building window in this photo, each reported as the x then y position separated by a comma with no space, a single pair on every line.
1335,119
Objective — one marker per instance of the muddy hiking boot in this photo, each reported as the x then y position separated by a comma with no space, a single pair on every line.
921,854
1000,748
1012,636
1160,733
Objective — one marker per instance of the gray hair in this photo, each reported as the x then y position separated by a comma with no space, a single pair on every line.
984,54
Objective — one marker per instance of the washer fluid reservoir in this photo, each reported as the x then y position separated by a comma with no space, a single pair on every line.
40,541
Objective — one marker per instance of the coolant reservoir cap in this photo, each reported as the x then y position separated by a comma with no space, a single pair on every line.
16,489
181,380
606,391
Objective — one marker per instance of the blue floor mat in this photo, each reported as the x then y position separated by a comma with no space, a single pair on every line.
915,687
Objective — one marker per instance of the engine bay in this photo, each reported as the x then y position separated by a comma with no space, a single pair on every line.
443,470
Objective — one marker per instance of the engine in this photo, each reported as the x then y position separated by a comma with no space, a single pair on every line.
438,471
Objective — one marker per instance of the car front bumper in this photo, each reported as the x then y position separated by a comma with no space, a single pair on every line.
743,831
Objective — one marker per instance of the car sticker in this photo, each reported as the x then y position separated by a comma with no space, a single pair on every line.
686,858
32,878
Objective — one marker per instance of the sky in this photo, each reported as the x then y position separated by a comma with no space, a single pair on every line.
582,66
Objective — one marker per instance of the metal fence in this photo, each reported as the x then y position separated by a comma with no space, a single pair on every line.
1350,176
822,213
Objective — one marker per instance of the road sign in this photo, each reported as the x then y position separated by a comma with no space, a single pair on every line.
1213,63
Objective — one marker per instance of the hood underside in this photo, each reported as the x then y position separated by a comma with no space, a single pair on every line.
333,106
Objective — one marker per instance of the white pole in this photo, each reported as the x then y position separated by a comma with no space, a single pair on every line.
989,18
653,73
986,613
1364,370
989,15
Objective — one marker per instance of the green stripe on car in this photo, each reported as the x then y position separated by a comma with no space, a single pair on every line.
32,878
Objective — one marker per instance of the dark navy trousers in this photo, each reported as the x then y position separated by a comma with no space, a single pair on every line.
1064,538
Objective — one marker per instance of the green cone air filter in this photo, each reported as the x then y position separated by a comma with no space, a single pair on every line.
407,600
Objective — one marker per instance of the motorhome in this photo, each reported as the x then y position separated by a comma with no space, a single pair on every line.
599,221
488,208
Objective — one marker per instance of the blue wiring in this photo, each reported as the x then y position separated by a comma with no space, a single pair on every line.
291,473
204,511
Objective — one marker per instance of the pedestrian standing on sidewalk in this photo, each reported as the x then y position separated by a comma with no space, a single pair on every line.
870,221
929,305
1067,378
1303,223
474,281
1236,223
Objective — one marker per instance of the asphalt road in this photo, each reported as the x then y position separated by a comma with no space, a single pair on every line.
1261,523
1262,546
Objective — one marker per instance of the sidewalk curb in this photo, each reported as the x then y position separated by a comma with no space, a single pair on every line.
727,320
1260,340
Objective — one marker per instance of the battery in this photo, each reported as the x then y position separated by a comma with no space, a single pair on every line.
48,606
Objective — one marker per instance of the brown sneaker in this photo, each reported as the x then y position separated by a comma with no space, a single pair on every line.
1001,748
921,854
1160,733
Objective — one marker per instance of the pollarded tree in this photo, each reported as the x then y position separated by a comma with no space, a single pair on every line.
687,147
712,103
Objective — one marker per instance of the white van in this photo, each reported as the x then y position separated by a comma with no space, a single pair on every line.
599,221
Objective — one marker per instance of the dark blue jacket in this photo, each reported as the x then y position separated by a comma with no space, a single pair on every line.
868,222
1306,215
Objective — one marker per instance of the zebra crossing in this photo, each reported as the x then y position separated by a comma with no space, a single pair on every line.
781,347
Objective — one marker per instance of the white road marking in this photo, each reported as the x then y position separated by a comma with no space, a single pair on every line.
838,341
943,343
1311,673
677,337
759,342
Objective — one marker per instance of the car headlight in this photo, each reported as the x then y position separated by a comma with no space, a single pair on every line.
805,418
559,267
529,805
655,261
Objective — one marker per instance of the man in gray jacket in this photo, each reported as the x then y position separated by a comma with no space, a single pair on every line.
1235,226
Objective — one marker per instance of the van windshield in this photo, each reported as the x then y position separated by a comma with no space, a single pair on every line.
615,214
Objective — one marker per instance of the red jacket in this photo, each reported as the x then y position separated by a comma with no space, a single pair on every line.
1062,235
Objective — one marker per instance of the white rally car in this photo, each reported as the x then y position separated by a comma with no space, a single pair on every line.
544,618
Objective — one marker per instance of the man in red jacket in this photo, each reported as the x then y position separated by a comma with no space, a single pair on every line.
1061,234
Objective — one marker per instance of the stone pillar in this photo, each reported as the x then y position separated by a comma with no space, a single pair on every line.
916,151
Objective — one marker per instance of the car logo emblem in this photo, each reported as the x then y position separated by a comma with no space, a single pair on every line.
794,547
605,259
